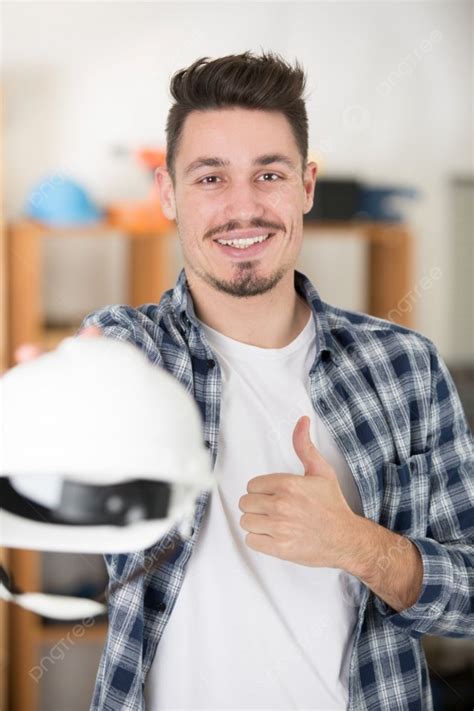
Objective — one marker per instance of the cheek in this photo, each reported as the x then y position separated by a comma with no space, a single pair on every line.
199,218
192,223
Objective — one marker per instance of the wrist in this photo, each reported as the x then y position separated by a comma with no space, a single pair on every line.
387,562
365,549
358,548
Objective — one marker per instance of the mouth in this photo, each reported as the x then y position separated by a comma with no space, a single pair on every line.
243,248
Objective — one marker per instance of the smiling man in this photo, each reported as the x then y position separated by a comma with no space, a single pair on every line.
341,529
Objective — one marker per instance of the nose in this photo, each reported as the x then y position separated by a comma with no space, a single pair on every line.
243,202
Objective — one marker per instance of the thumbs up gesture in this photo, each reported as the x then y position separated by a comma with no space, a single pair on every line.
302,519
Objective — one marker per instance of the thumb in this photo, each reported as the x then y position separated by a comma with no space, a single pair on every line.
313,462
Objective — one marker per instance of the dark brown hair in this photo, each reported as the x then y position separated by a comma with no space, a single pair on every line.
265,82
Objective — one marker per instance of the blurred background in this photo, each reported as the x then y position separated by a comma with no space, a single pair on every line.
84,104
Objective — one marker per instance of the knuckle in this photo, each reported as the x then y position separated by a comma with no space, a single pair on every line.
290,484
281,506
284,485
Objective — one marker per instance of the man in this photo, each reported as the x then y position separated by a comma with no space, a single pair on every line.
342,526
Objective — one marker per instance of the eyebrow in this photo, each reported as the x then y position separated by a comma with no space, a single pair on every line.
265,159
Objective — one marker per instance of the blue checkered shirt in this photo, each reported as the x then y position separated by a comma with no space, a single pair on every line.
390,403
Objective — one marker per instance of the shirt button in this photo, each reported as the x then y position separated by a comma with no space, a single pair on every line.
161,607
323,405
211,363
208,444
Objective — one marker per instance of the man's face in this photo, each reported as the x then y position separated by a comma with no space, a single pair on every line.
238,176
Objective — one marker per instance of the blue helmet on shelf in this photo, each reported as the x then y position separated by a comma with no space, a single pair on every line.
58,201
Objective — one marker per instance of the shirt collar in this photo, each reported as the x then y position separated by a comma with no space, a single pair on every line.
184,308
182,301
324,340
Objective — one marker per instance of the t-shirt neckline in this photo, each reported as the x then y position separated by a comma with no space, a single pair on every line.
228,345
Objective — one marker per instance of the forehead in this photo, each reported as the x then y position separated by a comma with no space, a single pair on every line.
236,135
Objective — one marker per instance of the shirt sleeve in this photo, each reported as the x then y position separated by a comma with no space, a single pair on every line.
445,605
125,323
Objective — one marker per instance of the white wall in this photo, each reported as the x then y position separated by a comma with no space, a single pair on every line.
389,86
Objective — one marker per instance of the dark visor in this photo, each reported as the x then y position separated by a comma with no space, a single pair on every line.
90,505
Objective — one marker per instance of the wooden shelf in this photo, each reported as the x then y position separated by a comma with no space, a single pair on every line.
95,632
150,272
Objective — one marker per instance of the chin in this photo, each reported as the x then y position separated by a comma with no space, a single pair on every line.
251,283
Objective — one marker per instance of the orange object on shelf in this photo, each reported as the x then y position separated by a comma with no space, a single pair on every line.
142,217
139,216
151,157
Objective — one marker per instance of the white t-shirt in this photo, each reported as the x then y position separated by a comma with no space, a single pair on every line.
248,630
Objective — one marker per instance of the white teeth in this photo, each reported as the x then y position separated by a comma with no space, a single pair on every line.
243,243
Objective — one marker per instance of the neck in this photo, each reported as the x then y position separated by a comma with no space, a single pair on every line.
270,320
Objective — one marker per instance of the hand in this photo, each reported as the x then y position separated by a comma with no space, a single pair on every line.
303,519
29,351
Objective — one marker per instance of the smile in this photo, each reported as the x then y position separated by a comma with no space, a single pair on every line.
244,243
244,248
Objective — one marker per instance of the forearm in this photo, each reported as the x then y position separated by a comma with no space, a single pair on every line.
388,563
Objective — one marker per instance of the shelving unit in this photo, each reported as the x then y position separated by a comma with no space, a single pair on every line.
148,268
390,262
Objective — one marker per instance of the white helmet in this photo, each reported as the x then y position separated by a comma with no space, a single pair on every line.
101,451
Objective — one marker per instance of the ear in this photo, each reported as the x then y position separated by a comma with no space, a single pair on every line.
309,183
166,190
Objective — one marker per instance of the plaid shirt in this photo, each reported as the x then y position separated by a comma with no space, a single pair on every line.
386,396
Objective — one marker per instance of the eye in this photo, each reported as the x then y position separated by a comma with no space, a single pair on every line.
270,181
208,177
